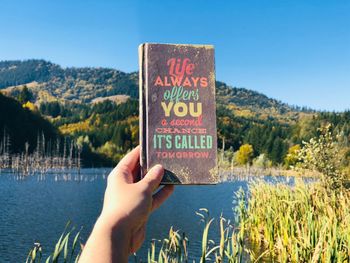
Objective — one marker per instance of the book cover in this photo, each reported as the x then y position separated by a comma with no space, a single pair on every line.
178,112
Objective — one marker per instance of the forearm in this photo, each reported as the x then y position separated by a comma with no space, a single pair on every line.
108,242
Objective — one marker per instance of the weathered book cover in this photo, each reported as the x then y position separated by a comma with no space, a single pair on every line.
178,112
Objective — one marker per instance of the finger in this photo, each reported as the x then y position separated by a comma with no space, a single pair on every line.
131,159
128,167
153,178
162,195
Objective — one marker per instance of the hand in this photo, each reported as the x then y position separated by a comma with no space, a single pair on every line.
130,201
120,229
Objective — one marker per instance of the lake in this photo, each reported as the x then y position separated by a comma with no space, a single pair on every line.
36,210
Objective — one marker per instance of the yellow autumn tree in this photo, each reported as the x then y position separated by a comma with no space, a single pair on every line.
292,156
134,133
245,154
109,149
30,106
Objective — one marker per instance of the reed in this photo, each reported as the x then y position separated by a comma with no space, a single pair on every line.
228,248
66,249
276,223
303,223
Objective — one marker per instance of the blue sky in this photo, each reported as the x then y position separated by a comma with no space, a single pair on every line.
294,51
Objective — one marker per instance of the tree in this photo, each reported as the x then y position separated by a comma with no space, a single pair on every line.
322,154
31,106
262,161
25,95
244,154
277,151
292,156
109,149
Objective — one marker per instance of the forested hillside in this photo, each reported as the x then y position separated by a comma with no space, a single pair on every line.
23,125
49,82
98,108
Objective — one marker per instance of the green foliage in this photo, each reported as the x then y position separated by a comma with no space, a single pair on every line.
108,129
230,247
278,150
303,223
262,161
322,154
16,72
292,156
28,126
253,100
23,125
25,95
66,249
52,109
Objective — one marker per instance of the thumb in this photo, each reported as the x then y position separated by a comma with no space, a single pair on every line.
153,178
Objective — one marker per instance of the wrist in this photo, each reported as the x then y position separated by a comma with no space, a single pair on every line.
117,233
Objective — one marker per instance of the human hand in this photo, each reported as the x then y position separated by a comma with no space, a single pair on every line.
126,208
132,202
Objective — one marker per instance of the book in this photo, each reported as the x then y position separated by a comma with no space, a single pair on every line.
178,112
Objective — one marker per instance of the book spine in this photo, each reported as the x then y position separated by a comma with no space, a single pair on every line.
142,112
146,107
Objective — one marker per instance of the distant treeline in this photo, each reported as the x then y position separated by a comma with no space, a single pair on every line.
111,129
106,128
22,72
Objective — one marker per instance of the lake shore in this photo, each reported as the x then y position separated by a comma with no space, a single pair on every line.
228,174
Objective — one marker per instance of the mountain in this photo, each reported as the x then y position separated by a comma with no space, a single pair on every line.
50,82
23,125
252,104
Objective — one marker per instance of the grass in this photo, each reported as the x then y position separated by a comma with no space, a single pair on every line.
65,249
274,223
280,223
230,247
303,223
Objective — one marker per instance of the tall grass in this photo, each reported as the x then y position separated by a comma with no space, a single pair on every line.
230,246
303,223
276,223
66,249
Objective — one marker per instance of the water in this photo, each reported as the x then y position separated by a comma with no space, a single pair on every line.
34,210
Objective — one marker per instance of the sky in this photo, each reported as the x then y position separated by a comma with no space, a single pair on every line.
294,51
